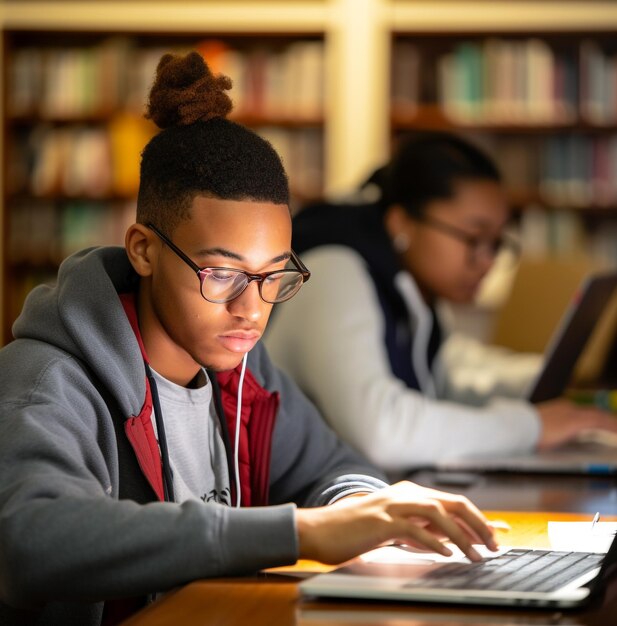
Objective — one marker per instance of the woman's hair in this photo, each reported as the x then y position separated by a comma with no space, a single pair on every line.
199,152
427,166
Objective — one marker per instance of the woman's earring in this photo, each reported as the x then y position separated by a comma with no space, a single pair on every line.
401,242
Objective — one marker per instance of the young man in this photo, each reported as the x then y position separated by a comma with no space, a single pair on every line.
140,448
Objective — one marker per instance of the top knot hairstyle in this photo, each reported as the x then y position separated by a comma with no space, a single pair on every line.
427,166
185,91
199,152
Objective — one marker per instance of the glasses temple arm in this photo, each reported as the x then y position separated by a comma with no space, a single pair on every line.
305,271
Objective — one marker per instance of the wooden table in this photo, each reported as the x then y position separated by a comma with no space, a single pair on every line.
272,598
270,602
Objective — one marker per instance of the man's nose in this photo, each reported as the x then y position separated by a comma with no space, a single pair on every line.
248,304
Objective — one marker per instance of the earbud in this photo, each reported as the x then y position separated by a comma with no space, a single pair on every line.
401,242
237,435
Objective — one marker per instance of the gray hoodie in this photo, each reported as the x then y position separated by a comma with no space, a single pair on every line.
70,537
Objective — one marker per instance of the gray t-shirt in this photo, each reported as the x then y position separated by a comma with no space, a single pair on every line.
196,450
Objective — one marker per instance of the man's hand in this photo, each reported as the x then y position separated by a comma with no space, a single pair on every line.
563,421
404,513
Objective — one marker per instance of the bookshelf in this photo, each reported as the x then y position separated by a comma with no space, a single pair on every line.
74,128
328,147
545,106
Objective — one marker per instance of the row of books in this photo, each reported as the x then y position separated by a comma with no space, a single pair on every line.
42,233
73,82
564,233
579,171
504,81
574,170
102,161
80,160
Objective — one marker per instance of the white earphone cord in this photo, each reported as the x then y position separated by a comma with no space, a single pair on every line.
237,433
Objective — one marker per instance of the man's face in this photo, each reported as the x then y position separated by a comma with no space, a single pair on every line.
182,330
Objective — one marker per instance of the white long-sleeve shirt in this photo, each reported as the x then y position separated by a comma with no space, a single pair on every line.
329,337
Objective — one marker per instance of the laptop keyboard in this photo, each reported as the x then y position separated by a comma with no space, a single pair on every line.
516,570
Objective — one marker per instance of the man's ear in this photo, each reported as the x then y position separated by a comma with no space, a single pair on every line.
141,246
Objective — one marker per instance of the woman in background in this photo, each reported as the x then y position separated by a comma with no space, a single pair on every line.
368,339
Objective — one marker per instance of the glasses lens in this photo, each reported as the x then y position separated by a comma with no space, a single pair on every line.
281,286
507,248
220,286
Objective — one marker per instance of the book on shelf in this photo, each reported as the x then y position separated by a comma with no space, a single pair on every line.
128,134
301,152
87,170
604,164
405,78
497,80
598,84
566,87
305,71
25,77
539,90
50,150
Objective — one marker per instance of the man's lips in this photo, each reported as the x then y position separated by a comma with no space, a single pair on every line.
239,340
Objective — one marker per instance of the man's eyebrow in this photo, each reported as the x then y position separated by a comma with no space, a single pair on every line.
238,257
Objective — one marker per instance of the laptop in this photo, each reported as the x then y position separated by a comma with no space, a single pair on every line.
522,577
597,454
573,332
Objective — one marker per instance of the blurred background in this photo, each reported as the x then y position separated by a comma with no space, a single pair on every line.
333,84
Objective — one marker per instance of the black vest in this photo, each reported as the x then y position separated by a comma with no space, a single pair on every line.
360,227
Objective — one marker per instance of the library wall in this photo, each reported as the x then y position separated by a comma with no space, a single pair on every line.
333,84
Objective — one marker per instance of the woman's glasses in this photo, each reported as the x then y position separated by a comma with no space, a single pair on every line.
478,246
223,284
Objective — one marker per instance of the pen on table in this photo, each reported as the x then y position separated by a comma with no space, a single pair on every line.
595,520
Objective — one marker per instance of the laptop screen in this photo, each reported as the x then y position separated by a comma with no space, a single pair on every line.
572,334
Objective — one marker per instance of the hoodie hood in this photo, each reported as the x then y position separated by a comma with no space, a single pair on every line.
81,314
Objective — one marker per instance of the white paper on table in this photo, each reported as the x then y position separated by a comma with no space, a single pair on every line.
581,536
